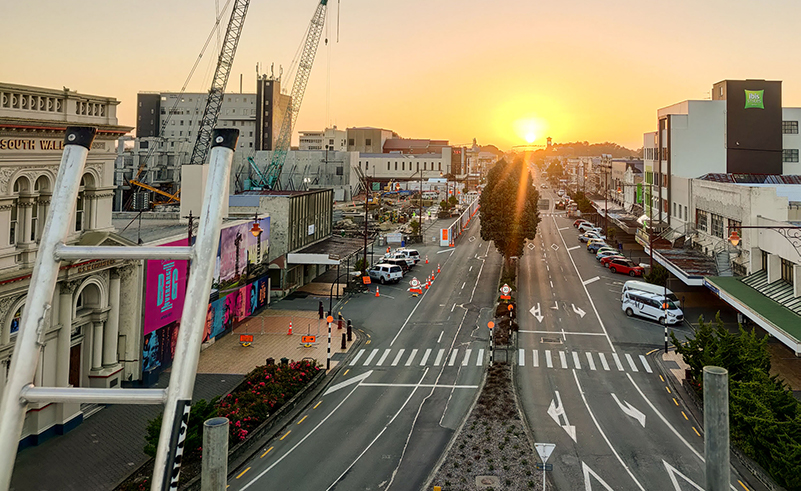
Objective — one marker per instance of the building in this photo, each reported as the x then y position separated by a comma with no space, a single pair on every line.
331,139
92,329
368,140
310,169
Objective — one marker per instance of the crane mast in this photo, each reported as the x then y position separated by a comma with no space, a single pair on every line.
273,172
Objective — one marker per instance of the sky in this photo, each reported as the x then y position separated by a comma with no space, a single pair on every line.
506,73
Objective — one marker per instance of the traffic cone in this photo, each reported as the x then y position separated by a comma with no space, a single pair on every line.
290,329
426,258
438,268
428,283
387,249
376,291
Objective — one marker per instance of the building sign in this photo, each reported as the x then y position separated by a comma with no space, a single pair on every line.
165,290
40,145
754,99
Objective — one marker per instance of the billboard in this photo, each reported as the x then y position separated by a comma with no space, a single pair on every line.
165,288
238,246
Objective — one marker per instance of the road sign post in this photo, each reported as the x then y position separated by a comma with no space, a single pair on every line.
491,324
329,319
544,450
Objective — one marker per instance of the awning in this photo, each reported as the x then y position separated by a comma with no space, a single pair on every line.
776,319
331,251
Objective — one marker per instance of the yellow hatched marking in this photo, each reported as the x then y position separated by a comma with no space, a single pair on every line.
242,473
265,453
287,434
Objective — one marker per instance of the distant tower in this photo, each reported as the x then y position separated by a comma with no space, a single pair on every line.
548,142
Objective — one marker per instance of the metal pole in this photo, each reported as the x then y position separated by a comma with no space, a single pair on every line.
328,358
366,195
716,428
664,305
25,358
214,470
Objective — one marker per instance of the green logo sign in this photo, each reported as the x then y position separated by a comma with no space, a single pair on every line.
754,98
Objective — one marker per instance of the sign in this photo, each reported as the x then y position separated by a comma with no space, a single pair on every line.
445,240
394,238
366,280
415,287
308,339
165,290
544,450
246,340
506,290
754,99
311,229
544,467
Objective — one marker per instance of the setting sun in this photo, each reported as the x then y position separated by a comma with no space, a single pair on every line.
530,137
530,128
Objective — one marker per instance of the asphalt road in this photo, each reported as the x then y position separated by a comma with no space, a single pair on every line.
389,414
586,380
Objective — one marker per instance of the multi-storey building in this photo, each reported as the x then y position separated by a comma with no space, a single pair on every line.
329,139
91,328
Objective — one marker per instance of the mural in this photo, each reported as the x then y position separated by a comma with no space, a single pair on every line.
165,289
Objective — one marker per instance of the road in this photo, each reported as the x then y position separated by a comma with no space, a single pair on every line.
390,412
586,381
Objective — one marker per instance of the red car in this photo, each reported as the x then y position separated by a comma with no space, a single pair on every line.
606,260
579,222
625,266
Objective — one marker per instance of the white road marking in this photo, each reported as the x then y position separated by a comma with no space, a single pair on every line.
521,357
440,354
463,284
535,358
573,248
370,358
453,357
557,412
617,362
551,284
576,360
383,357
431,386
350,381
411,357
466,356
480,359
563,359
631,363
548,360
356,358
546,267
440,336
645,364
425,357
590,361
591,280
603,361
398,357
564,333
630,410
589,472
454,306
672,471
471,268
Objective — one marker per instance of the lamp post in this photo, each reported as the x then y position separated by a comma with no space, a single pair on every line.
791,233
237,242
256,230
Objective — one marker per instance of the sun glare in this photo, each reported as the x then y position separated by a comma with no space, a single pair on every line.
529,128
530,137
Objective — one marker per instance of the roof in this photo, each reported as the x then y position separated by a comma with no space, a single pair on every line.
338,246
690,261
752,178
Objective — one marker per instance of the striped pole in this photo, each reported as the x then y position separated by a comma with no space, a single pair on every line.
491,324
329,319
666,336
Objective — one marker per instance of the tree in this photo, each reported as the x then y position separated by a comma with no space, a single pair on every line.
509,208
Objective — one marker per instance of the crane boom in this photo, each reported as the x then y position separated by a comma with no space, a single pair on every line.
221,73
273,172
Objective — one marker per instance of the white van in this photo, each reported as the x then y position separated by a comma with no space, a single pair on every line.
651,306
643,286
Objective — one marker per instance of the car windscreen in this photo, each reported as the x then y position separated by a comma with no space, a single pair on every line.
395,269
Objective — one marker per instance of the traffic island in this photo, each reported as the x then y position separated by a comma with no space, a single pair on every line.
492,446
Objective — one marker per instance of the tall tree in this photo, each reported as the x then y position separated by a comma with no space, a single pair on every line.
509,207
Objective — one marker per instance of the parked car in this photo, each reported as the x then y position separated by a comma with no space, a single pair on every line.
651,306
606,252
385,273
594,245
409,253
400,262
625,266
650,288
400,255
588,227
579,222
591,235
606,260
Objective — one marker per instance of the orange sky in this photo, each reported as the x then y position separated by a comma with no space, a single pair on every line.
500,72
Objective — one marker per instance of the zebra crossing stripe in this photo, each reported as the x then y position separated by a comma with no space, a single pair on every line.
645,364
576,360
398,357
454,353
467,353
383,357
603,361
356,358
548,360
521,357
563,359
631,363
480,360
590,361
535,358
370,358
411,357
440,354
425,357
617,362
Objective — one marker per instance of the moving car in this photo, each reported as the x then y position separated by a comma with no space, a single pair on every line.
606,260
385,273
651,306
625,266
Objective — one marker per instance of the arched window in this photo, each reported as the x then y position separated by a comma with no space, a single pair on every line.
16,223
82,215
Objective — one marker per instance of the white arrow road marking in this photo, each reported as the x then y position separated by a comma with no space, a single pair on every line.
445,250
351,381
589,472
673,472
578,310
591,280
630,410
537,312
555,411
555,305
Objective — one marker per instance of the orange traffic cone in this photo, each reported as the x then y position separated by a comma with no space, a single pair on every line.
290,329
426,258
387,249
438,268
428,283
376,291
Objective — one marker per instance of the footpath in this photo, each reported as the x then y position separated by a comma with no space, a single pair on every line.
107,446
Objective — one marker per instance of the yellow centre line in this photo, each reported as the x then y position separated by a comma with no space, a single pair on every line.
662,379
315,406
242,473
696,431
301,419
368,341
265,453
685,416
674,400
287,433
743,485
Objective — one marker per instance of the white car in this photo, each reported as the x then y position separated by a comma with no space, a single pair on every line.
651,306
385,273
588,227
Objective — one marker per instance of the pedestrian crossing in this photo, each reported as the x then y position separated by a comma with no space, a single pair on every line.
591,361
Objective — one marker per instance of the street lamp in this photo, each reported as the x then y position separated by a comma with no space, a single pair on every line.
237,242
791,233
256,230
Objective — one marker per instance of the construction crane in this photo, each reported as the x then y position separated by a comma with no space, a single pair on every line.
214,101
273,172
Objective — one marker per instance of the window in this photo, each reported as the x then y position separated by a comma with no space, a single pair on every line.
367,166
339,170
686,217
79,212
350,142
674,209
388,165
790,127
34,221
790,155
717,225
425,164
15,321
787,271
439,166
396,166
143,144
403,166
12,237
700,220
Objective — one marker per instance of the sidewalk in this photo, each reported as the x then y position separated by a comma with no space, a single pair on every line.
107,446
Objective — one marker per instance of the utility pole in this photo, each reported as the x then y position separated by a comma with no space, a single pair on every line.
366,196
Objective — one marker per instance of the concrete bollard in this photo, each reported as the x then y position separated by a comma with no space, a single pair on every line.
344,341
214,465
716,428
350,330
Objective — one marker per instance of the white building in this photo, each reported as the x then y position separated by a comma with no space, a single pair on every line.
329,139
91,327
